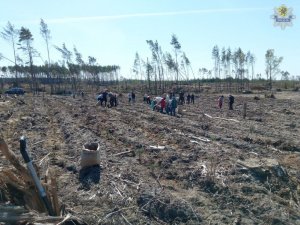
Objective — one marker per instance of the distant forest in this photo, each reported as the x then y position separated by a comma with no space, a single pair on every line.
235,68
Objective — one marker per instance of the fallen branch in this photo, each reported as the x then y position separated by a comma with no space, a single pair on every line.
125,219
42,160
200,139
157,147
211,117
194,137
122,153
132,183
114,212
274,149
254,153
70,218
197,142
38,142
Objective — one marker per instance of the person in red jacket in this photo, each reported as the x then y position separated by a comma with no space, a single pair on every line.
162,105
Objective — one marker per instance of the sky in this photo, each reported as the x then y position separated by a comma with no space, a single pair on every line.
113,31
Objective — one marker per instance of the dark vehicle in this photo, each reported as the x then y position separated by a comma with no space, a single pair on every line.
15,91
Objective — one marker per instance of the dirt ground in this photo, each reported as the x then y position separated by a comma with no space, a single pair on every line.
211,166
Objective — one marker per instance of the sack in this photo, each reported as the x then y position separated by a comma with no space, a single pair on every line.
90,155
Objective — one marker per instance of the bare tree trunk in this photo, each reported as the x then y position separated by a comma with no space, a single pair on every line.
148,76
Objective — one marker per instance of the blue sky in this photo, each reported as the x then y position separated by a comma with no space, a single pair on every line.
114,30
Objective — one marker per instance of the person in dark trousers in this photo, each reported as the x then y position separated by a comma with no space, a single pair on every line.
133,97
173,106
181,98
171,94
104,97
188,98
231,101
112,99
192,98
115,100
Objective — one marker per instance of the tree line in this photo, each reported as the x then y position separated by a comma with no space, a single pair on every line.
237,66
157,72
66,73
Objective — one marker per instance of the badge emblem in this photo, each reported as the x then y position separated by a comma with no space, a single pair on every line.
283,17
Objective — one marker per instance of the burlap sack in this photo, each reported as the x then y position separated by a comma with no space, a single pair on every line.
90,155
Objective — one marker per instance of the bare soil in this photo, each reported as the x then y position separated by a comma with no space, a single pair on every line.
214,169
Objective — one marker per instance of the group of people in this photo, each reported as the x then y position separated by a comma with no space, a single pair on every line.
190,98
102,98
131,97
167,103
230,101
163,104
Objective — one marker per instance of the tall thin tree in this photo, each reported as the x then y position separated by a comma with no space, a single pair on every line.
224,62
177,47
157,57
10,34
45,32
228,62
25,42
137,66
241,57
216,57
272,65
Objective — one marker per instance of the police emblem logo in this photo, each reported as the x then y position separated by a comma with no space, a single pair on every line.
283,17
